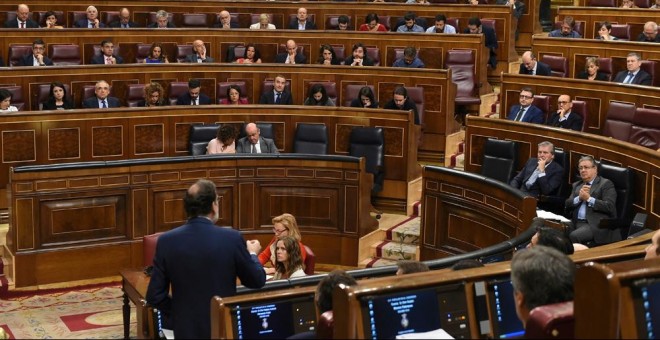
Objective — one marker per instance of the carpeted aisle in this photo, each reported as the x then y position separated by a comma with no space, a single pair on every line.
76,313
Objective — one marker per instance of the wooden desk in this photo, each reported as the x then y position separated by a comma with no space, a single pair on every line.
134,284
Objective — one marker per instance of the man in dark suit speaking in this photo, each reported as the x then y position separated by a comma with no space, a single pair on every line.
254,143
540,176
199,260
533,67
101,100
634,74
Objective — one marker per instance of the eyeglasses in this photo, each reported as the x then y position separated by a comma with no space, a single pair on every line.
522,96
277,232
585,167
562,103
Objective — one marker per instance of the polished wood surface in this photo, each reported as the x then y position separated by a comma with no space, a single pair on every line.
591,17
464,212
644,163
72,223
134,284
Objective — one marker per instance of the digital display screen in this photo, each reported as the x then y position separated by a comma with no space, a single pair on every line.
274,319
503,310
646,297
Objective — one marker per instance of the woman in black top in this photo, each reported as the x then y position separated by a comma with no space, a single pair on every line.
590,72
365,99
327,56
57,98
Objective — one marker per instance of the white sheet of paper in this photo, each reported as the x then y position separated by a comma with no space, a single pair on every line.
436,334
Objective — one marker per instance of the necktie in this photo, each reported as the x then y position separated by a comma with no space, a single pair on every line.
278,98
629,78
124,26
103,105
253,149
193,102
520,114
22,24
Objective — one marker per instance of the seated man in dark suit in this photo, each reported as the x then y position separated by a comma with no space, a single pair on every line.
194,96
650,33
225,21
254,143
92,20
526,112
199,55
101,100
475,27
400,101
37,58
107,57
279,95
540,175
124,20
531,66
162,20
634,74
564,118
592,199
291,56
22,19
301,23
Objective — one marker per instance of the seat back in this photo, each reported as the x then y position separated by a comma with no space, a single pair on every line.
340,52
16,97
499,159
326,326
452,21
621,31
134,94
643,3
310,261
369,142
553,321
142,52
195,20
373,52
177,88
619,121
645,130
461,63
580,107
543,103
351,92
266,130
311,139
649,67
182,51
416,94
623,181
221,89
42,93
234,52
64,54
558,65
16,52
487,23
75,16
330,89
606,67
108,17
200,136
149,248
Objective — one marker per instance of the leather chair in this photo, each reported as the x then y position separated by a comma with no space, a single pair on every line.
107,17
606,67
62,54
646,128
310,261
42,94
74,16
40,17
416,94
351,92
177,88
311,139
16,97
182,51
340,52
385,20
621,31
369,142
330,89
332,22
373,52
269,84
553,321
601,3
134,94
326,326
200,136
488,23
195,20
558,65
452,21
16,52
221,89
580,107
619,121
142,52
234,52
649,67
149,248
623,179
461,63
643,3
543,103
555,201
500,159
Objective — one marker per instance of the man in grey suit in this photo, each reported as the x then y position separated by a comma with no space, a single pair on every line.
254,143
592,199
199,55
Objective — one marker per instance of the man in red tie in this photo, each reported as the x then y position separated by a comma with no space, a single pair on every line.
107,57
22,19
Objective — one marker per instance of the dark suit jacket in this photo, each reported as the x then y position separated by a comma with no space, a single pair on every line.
602,189
366,61
599,76
545,185
155,25
281,58
532,115
117,24
231,25
14,23
184,99
28,60
50,105
2,62
269,98
308,25
92,102
199,260
641,78
407,106
490,42
542,69
641,37
520,7
573,122
100,59
192,58
267,145
84,23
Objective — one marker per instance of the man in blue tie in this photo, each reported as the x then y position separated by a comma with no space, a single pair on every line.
592,199
279,95
634,74
540,176
101,100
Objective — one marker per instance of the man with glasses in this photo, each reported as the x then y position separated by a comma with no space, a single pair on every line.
225,21
526,112
540,175
124,20
592,199
533,67
650,33
291,56
564,118
254,143
37,58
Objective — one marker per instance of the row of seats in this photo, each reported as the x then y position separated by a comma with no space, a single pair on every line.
560,68
636,125
368,142
614,3
620,31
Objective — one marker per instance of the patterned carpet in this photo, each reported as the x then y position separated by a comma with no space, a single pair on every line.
78,313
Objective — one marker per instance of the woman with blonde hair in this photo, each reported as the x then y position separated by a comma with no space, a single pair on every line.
289,261
283,225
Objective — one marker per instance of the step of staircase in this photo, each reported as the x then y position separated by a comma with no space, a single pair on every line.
394,250
405,232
